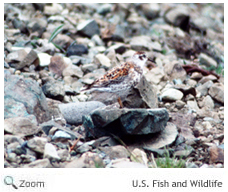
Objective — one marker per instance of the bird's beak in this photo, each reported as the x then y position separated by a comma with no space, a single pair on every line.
150,59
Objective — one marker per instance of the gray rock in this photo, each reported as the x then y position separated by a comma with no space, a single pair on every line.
40,163
77,49
208,102
177,15
150,10
50,152
88,28
140,96
112,120
54,89
104,9
13,138
115,152
203,89
143,42
61,135
37,144
103,60
207,61
87,160
22,126
216,91
63,154
127,164
73,70
164,138
73,112
171,95
21,94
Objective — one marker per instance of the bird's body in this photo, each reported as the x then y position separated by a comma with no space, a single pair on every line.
120,78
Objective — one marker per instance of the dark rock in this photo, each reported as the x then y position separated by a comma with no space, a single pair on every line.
179,17
120,122
23,97
140,96
89,28
54,89
73,112
38,26
76,49
18,24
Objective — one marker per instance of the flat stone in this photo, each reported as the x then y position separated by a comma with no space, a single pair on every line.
73,71
171,95
208,102
87,160
50,152
61,135
207,60
174,70
53,9
140,96
88,28
73,112
150,10
63,154
103,60
155,75
24,93
40,163
128,164
203,89
216,91
162,139
22,126
115,152
192,104
144,43
112,120
76,49
37,144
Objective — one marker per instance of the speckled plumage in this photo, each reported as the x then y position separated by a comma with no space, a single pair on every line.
122,77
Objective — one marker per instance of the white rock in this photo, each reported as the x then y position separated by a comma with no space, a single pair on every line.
45,59
172,95
50,151
103,60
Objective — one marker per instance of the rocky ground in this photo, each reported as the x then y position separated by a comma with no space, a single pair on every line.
173,118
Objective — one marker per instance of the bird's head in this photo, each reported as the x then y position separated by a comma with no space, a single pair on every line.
140,58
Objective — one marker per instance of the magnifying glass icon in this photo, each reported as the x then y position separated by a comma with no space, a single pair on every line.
8,180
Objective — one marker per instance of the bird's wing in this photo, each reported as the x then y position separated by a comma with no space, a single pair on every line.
114,76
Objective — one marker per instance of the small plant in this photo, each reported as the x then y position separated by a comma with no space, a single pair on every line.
168,162
54,34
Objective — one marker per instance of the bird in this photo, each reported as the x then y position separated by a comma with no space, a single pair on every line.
120,78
